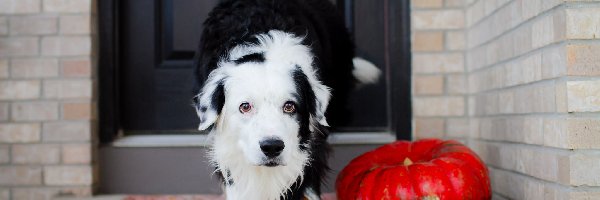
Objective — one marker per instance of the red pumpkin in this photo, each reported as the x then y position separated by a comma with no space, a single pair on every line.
425,169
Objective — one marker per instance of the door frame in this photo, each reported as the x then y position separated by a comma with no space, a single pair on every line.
398,54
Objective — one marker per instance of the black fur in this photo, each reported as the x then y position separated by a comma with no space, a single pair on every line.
254,57
235,22
218,97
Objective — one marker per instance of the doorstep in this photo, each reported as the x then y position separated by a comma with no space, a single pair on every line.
328,196
144,197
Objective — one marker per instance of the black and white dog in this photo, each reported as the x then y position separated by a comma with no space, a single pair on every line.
269,69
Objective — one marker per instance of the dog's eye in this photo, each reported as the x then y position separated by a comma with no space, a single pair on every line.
289,107
245,107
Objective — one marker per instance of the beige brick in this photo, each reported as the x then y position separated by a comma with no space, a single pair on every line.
427,41
531,68
427,3
585,170
67,6
489,7
4,109
76,154
4,154
490,103
473,128
455,3
455,40
531,8
27,193
584,133
492,53
508,184
49,193
19,133
34,111
474,13
19,6
429,85
20,175
456,84
583,96
554,62
3,26
533,130
457,127
583,23
76,68
564,169
4,68
68,175
534,190
33,25
34,68
476,58
583,60
4,193
438,63
439,106
66,46
19,90
438,19
74,111
67,89
523,100
506,102
75,24
505,47
66,131
18,46
584,195
561,96
543,32
555,132
36,154
522,40
546,98
560,25
429,128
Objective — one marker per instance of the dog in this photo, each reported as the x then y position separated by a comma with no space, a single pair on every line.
266,72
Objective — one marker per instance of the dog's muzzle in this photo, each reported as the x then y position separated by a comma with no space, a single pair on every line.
272,148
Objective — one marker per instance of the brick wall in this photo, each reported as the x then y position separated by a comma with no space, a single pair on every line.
46,98
532,103
440,84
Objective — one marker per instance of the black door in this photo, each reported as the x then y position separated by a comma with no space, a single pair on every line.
152,73
156,74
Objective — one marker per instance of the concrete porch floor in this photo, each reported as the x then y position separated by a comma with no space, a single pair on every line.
328,196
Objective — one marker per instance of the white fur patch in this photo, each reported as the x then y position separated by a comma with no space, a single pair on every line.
266,86
365,72
311,195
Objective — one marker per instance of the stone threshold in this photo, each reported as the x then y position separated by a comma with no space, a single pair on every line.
328,196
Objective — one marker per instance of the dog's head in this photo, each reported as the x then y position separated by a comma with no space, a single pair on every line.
263,100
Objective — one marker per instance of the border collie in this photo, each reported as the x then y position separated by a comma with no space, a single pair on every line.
266,72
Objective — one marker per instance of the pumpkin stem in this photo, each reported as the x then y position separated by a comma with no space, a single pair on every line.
407,161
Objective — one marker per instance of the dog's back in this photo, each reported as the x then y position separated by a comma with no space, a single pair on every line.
234,22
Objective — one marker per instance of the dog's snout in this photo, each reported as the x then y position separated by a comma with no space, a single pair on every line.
272,147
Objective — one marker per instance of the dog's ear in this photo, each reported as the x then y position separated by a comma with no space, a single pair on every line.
210,102
322,96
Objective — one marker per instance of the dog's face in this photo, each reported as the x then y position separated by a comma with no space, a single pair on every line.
262,101
261,112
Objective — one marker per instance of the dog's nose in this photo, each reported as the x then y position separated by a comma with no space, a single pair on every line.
272,147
